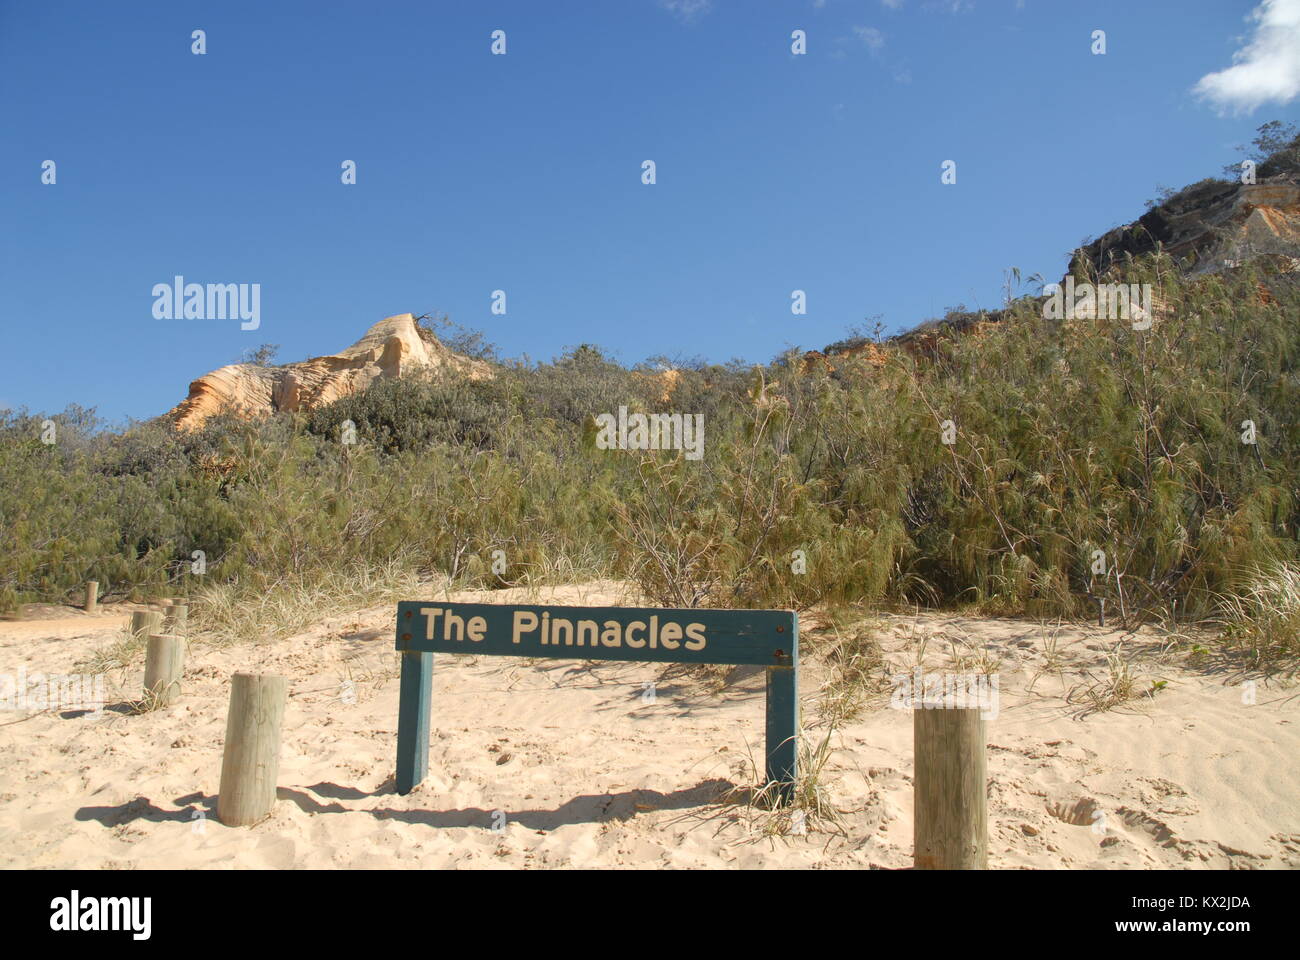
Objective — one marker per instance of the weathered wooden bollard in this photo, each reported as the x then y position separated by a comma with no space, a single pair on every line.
251,762
950,830
178,615
92,595
145,623
164,663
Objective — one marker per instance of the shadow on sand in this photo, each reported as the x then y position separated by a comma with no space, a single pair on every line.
587,808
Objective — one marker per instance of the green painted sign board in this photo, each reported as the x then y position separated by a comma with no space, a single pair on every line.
765,638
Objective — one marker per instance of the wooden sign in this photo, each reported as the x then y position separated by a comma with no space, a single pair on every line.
766,638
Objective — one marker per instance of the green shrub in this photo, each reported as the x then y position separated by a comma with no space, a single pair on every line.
817,486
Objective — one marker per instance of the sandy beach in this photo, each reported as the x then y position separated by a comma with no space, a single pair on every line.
587,765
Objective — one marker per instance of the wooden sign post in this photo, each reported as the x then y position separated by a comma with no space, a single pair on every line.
765,638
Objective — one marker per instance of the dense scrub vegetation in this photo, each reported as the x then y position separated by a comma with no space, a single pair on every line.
1071,437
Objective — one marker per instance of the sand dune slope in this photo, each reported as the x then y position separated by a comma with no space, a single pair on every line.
574,764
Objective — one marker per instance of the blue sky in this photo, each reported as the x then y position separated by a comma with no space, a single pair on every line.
522,172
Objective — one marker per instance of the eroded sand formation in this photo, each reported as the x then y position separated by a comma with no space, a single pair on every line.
393,347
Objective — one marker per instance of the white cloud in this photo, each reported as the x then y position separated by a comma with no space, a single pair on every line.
871,38
949,6
1267,68
687,10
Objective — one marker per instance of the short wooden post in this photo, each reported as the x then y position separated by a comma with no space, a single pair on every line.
251,762
949,790
92,595
145,623
178,615
164,663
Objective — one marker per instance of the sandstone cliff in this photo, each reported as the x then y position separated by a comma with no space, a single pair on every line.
393,347
1211,225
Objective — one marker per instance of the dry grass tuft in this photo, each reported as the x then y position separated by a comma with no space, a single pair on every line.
1122,683
117,655
225,613
768,811
857,672
1263,621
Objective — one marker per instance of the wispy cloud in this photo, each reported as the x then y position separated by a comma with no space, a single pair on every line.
871,38
868,38
687,10
943,6
1267,68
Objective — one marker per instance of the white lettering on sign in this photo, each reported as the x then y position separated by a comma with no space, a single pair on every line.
552,631
453,624
639,634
